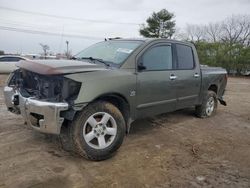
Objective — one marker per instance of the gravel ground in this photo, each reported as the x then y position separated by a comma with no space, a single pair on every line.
170,150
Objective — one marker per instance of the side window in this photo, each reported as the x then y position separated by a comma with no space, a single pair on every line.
10,59
185,57
16,59
158,58
3,59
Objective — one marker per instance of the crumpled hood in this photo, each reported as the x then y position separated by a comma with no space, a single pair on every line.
52,67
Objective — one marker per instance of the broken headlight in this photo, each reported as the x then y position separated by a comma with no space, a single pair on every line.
54,88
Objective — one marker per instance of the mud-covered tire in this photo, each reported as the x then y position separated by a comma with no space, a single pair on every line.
64,138
202,110
78,137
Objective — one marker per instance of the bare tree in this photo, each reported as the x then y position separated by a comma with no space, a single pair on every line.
195,32
236,29
213,32
226,43
45,48
179,34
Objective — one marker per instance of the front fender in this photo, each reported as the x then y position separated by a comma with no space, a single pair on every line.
98,83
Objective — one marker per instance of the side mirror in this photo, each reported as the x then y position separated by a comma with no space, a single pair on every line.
141,67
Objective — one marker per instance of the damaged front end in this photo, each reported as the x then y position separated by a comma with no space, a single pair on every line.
44,101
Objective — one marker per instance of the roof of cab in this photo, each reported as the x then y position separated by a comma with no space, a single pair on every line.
152,39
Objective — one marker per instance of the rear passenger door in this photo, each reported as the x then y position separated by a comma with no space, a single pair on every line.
188,79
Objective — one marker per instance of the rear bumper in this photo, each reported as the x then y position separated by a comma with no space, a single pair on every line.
40,115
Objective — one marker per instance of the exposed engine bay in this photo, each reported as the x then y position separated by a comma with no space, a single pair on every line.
52,88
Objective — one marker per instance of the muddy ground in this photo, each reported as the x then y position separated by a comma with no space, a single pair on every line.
170,150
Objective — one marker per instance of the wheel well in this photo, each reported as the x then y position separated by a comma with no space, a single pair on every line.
120,102
213,88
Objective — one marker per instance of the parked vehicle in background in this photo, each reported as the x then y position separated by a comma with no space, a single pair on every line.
92,100
32,56
246,73
8,63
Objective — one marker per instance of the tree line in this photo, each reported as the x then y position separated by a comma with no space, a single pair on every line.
225,43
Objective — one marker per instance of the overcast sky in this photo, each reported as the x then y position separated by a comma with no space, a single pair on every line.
110,18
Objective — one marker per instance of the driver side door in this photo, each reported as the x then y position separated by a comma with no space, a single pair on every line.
156,86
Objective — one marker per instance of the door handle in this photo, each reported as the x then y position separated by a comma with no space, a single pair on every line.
172,77
196,75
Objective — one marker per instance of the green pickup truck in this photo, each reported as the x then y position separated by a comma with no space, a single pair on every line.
91,100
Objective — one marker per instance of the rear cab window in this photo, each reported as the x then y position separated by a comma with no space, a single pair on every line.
185,57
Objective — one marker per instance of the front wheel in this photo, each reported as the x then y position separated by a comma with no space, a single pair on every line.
209,105
98,131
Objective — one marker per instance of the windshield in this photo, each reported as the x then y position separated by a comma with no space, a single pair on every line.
115,52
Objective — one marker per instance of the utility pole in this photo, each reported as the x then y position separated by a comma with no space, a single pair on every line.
67,52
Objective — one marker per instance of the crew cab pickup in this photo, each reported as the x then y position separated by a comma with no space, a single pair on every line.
92,100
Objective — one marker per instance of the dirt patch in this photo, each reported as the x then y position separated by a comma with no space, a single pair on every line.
170,150
3,78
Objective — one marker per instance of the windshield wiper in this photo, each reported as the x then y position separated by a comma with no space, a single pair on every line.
97,59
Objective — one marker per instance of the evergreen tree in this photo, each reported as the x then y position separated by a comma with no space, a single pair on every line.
159,25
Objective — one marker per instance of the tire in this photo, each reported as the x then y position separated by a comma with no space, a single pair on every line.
64,138
98,131
209,105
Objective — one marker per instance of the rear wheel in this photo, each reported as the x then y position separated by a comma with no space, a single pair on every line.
209,105
98,131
